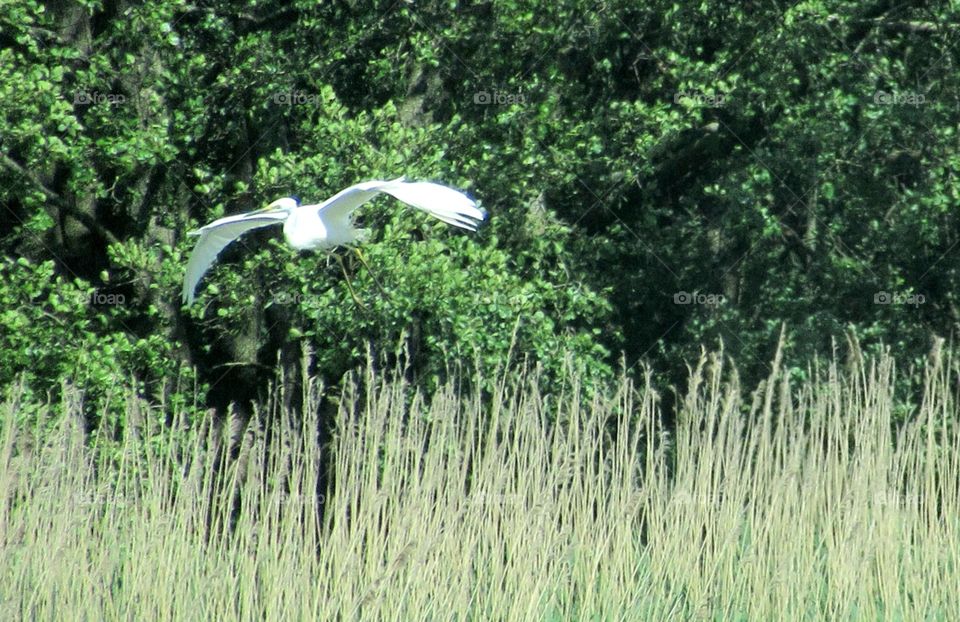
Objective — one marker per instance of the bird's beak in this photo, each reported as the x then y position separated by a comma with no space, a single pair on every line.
270,208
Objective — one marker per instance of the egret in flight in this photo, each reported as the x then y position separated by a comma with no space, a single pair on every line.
329,224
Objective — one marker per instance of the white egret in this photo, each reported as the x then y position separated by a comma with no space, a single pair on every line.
328,224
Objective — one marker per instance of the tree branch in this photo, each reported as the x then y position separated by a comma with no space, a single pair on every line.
88,221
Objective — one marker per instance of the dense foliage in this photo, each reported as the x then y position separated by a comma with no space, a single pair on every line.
658,176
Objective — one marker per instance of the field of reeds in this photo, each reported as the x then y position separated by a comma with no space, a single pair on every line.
804,502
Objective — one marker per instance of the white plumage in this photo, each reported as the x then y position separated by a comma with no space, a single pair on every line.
328,224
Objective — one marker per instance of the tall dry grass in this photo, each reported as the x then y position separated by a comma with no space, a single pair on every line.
793,503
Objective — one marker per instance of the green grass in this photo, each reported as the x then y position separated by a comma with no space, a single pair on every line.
792,503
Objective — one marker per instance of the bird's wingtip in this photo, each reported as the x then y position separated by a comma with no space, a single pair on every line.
187,294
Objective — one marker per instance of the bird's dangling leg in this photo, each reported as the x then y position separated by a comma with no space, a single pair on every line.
373,275
346,277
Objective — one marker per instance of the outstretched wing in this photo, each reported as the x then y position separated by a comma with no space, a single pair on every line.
449,205
337,209
214,238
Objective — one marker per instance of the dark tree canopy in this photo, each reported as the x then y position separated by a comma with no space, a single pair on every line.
659,176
